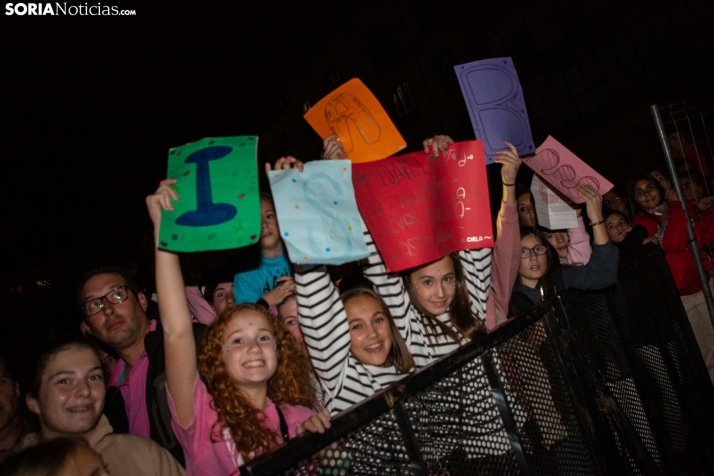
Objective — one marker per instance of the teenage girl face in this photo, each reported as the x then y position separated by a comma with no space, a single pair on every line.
526,212
617,228
614,201
534,266
434,286
559,240
691,190
250,349
71,395
370,333
646,194
270,236
288,315
663,181
223,297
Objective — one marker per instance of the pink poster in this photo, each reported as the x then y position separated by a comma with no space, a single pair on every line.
420,208
564,170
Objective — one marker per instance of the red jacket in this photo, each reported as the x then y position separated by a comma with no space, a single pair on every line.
675,246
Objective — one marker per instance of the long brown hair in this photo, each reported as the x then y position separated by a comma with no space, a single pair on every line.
467,323
290,385
399,354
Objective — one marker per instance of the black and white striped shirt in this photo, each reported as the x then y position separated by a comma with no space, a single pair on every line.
424,345
324,326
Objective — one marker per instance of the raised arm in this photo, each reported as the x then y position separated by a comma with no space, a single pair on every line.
324,326
601,270
579,249
389,286
321,315
507,249
593,206
179,344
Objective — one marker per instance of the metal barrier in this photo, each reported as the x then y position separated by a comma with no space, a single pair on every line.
587,383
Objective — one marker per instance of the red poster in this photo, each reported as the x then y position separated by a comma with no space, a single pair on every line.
420,208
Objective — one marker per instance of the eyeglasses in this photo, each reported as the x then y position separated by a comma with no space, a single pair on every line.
612,200
115,296
539,250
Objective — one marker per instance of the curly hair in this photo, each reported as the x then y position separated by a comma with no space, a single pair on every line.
290,385
467,323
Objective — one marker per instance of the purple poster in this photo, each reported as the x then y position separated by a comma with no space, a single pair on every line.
494,97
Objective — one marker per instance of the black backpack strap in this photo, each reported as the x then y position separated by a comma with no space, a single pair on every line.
283,424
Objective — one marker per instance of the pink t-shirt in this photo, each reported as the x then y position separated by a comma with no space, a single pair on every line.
204,456
133,391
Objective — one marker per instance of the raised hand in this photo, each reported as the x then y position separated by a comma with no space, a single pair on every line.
438,143
276,295
284,163
162,198
510,163
670,195
593,202
593,207
332,148
317,423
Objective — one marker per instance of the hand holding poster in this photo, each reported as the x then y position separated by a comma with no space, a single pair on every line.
496,105
219,205
553,213
317,213
420,208
356,117
565,171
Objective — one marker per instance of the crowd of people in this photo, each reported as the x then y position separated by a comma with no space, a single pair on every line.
231,370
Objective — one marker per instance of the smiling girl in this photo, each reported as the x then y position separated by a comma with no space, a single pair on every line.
67,395
662,214
257,390
441,305
354,345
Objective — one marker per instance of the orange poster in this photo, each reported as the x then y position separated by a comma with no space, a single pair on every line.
360,122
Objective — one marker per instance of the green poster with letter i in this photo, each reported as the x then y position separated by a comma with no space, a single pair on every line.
219,203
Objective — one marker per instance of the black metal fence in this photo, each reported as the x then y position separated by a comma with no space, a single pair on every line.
586,383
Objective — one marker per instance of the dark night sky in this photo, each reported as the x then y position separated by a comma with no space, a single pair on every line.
91,105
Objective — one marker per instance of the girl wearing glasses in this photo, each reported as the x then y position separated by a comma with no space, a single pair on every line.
663,215
539,264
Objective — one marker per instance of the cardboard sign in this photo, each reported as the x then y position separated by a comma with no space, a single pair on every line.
552,212
495,101
317,213
219,205
420,208
360,122
564,170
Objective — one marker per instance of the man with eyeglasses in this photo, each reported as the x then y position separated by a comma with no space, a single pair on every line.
115,314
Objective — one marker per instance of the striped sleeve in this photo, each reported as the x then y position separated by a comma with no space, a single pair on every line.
324,326
423,347
389,286
477,272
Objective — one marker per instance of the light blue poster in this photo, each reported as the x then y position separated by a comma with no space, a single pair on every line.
317,213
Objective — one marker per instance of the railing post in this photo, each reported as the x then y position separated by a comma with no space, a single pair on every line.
416,461
509,423
605,457
692,238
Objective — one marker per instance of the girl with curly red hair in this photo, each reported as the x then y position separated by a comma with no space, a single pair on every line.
257,390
